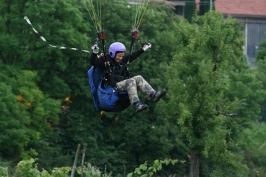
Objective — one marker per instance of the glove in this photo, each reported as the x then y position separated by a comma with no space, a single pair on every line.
95,49
146,47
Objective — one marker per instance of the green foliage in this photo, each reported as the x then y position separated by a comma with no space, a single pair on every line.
126,138
244,89
25,111
92,171
261,53
60,74
252,143
3,171
201,78
261,74
41,76
27,168
212,97
145,171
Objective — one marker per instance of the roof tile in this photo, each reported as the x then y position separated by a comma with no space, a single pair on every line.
241,7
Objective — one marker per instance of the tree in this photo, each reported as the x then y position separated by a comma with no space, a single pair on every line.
261,53
252,143
193,121
252,140
49,71
61,74
208,50
129,138
261,66
25,113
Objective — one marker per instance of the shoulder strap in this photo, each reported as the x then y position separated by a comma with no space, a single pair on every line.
126,72
110,74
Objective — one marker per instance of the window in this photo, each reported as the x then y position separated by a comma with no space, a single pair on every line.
179,10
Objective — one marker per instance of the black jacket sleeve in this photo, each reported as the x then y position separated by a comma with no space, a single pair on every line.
95,61
132,56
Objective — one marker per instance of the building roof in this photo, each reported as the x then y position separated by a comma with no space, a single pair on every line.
242,7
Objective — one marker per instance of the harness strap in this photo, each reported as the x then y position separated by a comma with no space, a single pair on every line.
125,71
134,34
109,72
101,35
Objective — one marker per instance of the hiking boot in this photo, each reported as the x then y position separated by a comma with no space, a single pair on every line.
158,95
140,106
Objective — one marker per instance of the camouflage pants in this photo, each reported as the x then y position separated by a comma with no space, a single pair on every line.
132,86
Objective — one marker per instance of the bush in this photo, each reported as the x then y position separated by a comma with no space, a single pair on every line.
3,172
27,168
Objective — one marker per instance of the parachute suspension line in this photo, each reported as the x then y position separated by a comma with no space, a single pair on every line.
140,10
95,16
59,47
95,13
143,12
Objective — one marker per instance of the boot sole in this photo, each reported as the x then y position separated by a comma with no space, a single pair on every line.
160,96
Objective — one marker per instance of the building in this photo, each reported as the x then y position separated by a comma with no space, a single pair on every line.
250,13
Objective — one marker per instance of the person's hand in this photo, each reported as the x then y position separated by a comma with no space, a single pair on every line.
95,49
146,46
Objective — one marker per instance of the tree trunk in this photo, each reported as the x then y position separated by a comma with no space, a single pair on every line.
194,164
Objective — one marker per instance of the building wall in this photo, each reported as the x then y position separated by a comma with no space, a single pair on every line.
256,33
254,29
